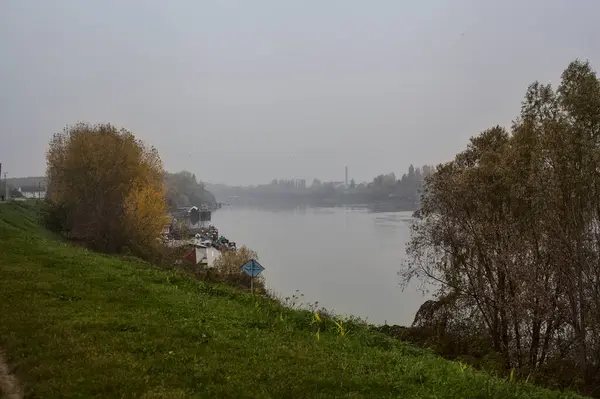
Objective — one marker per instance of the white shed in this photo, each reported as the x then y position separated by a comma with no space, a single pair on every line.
210,254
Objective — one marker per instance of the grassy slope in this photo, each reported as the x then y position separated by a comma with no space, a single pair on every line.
79,324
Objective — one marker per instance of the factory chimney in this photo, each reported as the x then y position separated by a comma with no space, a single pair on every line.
346,177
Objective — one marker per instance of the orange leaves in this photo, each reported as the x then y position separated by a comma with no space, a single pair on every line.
145,214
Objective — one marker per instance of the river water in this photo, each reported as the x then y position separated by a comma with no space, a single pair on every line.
346,259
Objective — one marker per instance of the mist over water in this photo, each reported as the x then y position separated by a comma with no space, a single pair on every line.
347,259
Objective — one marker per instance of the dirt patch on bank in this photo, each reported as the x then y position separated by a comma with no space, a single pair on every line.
9,385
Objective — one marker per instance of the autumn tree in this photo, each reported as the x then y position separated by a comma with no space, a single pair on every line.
510,229
105,188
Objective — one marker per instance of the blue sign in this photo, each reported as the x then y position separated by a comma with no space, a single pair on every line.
252,268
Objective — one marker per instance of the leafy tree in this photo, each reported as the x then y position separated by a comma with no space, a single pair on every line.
105,188
510,229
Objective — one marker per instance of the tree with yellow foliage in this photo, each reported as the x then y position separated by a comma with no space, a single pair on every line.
105,188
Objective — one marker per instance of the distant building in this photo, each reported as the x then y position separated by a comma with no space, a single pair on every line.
32,192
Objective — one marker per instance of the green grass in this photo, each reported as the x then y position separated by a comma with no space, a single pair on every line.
75,323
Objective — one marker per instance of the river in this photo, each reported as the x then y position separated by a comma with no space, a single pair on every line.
346,259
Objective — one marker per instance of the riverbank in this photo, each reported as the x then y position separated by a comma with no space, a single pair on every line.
75,323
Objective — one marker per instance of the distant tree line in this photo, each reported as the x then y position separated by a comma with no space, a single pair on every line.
510,233
403,193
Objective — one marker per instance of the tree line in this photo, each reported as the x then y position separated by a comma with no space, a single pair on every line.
508,233
404,192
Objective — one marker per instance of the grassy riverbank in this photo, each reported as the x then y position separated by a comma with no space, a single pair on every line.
75,323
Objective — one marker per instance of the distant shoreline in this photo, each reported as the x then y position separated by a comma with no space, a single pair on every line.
372,206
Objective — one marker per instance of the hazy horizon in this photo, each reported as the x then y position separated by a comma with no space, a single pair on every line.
243,92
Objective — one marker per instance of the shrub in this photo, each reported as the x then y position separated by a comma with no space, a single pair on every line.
227,268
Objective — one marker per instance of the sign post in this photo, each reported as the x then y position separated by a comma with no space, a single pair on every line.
252,269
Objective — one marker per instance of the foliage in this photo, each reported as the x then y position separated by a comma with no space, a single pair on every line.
184,190
227,268
511,230
105,188
98,326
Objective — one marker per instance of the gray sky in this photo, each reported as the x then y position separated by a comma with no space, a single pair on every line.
241,91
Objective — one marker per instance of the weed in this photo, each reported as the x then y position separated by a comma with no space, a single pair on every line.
317,322
462,366
340,327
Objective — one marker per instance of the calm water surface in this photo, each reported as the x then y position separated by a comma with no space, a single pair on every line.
346,259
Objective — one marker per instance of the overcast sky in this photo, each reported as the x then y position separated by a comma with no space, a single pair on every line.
241,91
